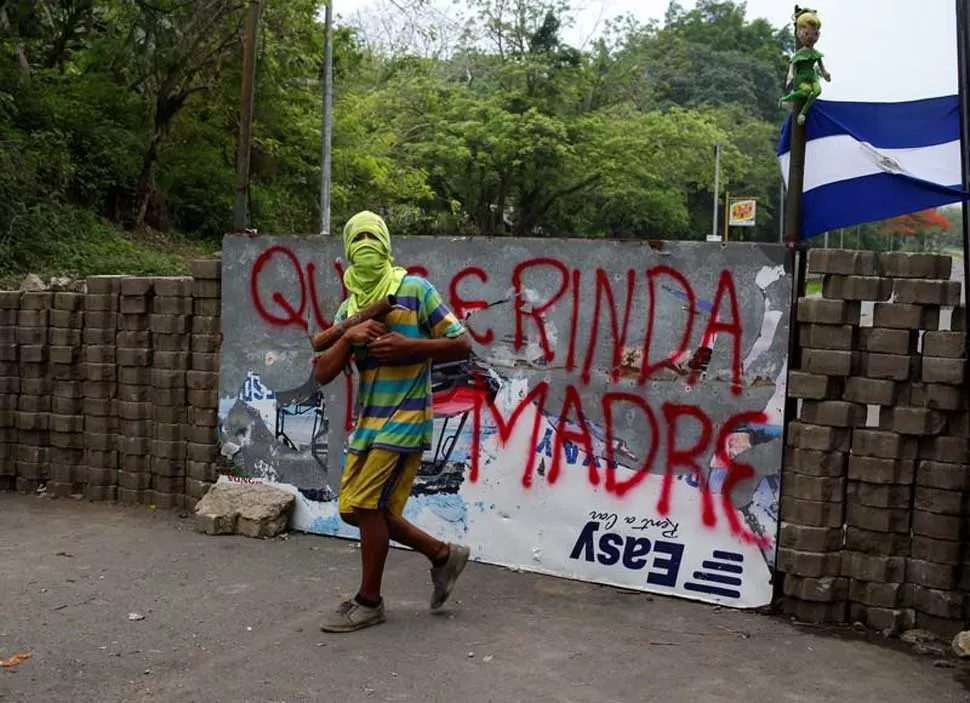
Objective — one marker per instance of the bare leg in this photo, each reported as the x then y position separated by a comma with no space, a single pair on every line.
374,544
813,94
408,534
403,532
793,96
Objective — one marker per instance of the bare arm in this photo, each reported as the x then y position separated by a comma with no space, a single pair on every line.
446,339
445,349
329,364
825,74
396,346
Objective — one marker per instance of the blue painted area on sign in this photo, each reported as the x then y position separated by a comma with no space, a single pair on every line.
331,525
448,507
253,389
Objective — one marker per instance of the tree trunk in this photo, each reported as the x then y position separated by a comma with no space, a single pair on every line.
19,53
146,182
167,105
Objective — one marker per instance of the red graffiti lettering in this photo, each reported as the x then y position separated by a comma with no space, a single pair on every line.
338,266
462,307
311,278
715,326
605,289
686,458
573,324
599,332
583,437
284,312
536,312
572,428
621,488
737,473
504,427
647,370
291,315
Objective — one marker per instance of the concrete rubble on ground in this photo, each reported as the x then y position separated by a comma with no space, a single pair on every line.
250,509
32,282
961,644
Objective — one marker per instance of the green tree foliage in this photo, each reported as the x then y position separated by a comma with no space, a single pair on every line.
124,114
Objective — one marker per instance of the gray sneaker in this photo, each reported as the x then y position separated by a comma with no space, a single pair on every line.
444,577
351,616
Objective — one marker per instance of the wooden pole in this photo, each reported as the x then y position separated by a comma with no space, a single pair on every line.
793,214
246,118
796,182
781,212
796,255
793,222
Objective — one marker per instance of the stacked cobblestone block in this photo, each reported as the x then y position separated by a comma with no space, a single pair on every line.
203,378
9,387
171,328
877,538
816,463
112,393
67,400
883,406
34,402
941,482
100,387
136,395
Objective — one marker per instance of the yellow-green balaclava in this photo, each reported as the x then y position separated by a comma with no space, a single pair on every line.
372,274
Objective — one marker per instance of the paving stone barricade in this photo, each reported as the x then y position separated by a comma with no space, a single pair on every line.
110,391
874,491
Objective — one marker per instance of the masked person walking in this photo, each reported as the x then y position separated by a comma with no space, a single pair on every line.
394,413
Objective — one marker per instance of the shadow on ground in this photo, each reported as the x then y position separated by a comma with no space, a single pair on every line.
235,619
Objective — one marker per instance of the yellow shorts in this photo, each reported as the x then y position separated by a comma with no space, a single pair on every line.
378,480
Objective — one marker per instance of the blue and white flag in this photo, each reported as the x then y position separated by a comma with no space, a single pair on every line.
872,161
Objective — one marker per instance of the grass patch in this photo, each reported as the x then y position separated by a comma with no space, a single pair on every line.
66,241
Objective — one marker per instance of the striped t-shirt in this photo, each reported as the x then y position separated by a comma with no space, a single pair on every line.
394,408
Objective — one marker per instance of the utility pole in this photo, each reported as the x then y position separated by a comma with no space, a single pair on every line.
717,189
246,118
326,156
